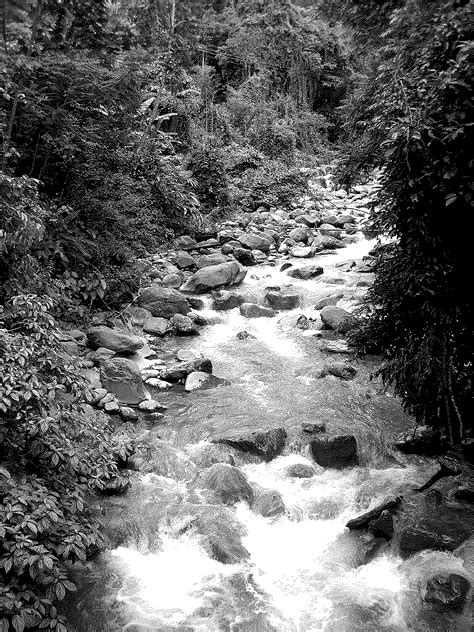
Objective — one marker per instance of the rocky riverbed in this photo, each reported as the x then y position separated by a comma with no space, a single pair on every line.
267,492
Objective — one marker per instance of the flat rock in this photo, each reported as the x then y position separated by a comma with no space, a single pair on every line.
254,242
266,444
305,273
157,326
201,381
251,310
177,372
113,339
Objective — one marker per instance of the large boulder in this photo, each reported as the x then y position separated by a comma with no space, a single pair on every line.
305,273
113,339
206,279
447,593
251,310
282,300
254,242
122,377
164,302
178,372
266,444
202,381
338,319
227,482
335,452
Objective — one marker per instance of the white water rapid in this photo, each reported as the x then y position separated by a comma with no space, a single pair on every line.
304,571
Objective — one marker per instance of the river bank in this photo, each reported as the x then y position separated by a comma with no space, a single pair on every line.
225,530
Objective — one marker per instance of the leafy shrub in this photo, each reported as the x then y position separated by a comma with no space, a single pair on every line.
418,130
207,168
273,183
52,453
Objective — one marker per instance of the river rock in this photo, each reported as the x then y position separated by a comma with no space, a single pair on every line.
326,242
228,483
157,326
173,281
336,452
213,259
342,220
251,310
338,319
221,535
113,339
177,372
184,260
206,279
164,302
224,300
183,325
447,593
266,444
341,370
122,377
302,252
305,273
300,470
201,381
331,299
244,256
363,521
185,241
425,536
206,454
282,300
307,220
300,234
268,503
149,406
128,414
329,219
254,242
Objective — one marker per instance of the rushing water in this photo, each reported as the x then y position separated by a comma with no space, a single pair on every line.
305,571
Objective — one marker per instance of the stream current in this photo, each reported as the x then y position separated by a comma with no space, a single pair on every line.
305,571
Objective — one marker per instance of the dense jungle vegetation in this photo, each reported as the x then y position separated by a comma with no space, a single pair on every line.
127,122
